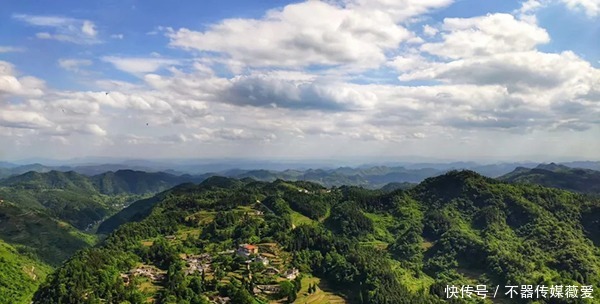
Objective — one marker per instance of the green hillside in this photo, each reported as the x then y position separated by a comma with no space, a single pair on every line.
364,246
19,275
137,182
80,200
44,215
41,235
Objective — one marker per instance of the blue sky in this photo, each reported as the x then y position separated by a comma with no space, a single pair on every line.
316,79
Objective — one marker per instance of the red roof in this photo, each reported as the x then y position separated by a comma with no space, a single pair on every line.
249,247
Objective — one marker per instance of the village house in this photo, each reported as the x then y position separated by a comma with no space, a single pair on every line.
263,260
247,250
291,274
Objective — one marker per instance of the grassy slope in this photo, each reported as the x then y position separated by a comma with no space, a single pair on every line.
50,240
19,275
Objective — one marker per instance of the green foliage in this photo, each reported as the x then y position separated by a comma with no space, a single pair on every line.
19,275
40,235
346,218
377,247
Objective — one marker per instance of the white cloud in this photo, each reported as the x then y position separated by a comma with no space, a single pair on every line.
486,35
93,129
400,10
10,83
302,34
139,65
117,36
430,30
63,29
89,28
409,62
591,7
23,119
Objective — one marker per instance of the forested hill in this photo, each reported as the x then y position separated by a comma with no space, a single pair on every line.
81,200
558,176
110,183
44,216
348,244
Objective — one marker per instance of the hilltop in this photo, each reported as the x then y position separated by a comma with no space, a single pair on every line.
558,176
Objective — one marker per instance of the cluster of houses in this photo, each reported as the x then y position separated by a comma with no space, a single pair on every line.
150,272
251,252
202,263
310,192
197,263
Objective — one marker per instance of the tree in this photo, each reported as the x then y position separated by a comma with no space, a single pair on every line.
287,290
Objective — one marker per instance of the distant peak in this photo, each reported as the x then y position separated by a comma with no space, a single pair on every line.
552,167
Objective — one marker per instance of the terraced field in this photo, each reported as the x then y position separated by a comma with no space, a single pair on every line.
323,294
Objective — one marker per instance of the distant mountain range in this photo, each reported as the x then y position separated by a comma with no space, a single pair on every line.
557,176
129,177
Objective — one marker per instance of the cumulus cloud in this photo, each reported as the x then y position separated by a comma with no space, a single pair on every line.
486,35
60,28
264,90
591,7
301,34
518,71
11,83
23,119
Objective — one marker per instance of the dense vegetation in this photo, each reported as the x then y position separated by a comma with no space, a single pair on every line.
372,246
49,216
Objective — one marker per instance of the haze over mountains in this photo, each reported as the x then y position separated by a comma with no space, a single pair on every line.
371,176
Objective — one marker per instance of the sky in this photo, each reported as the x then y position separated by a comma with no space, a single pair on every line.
497,80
